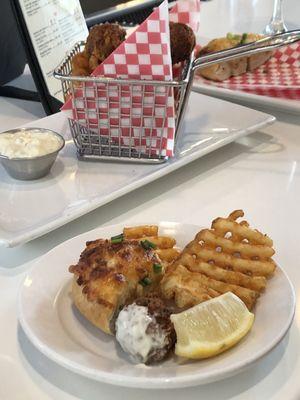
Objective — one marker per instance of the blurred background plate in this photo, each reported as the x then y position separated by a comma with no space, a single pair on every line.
252,83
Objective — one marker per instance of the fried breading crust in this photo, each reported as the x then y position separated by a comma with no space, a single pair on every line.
80,65
102,41
182,40
109,276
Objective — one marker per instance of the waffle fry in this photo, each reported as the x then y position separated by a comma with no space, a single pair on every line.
257,283
228,257
189,288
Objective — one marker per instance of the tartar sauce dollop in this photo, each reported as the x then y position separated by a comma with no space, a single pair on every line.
29,143
132,333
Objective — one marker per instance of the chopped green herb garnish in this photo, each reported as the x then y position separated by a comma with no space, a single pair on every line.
244,38
146,244
157,268
117,239
231,36
145,281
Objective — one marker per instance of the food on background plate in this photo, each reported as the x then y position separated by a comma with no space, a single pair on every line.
144,329
125,287
228,257
226,69
112,273
210,328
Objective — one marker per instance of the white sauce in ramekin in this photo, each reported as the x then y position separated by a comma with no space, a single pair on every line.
28,143
131,327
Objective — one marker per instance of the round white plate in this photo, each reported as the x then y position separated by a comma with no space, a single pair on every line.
55,327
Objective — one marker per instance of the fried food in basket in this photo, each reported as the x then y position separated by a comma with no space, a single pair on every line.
80,65
228,257
224,70
103,39
182,41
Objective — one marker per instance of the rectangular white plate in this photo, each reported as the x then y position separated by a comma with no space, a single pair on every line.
74,188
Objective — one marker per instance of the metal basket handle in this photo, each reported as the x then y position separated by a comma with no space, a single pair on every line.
268,43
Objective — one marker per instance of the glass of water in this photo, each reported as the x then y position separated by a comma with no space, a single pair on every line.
276,24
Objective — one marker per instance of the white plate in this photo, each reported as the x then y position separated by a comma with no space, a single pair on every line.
73,188
57,330
250,99
283,105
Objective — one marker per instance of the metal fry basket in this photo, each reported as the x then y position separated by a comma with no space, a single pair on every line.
115,119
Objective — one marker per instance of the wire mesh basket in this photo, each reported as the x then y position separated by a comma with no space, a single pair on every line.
113,119
127,119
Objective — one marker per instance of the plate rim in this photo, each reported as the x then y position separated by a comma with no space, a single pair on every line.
280,105
188,380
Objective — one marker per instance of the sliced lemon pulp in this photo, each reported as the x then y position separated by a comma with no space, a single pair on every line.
212,327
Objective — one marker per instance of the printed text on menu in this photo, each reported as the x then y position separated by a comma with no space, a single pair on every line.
54,27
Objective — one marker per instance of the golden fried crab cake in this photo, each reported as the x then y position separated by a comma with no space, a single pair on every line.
110,275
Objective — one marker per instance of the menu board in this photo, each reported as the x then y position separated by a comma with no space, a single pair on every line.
54,26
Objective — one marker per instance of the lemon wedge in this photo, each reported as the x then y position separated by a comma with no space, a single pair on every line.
212,327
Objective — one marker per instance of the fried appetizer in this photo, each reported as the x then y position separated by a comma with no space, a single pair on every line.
228,257
182,40
80,65
102,41
224,70
110,274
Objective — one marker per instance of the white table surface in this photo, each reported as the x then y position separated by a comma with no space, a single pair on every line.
260,174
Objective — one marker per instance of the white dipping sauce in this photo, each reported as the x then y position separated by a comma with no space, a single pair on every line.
131,326
29,143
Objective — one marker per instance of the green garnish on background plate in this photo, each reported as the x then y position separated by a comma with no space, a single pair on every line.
244,38
232,36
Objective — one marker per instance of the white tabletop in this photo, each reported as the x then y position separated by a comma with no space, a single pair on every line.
259,173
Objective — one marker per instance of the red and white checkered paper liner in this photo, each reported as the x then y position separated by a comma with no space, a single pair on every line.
187,12
142,116
279,77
